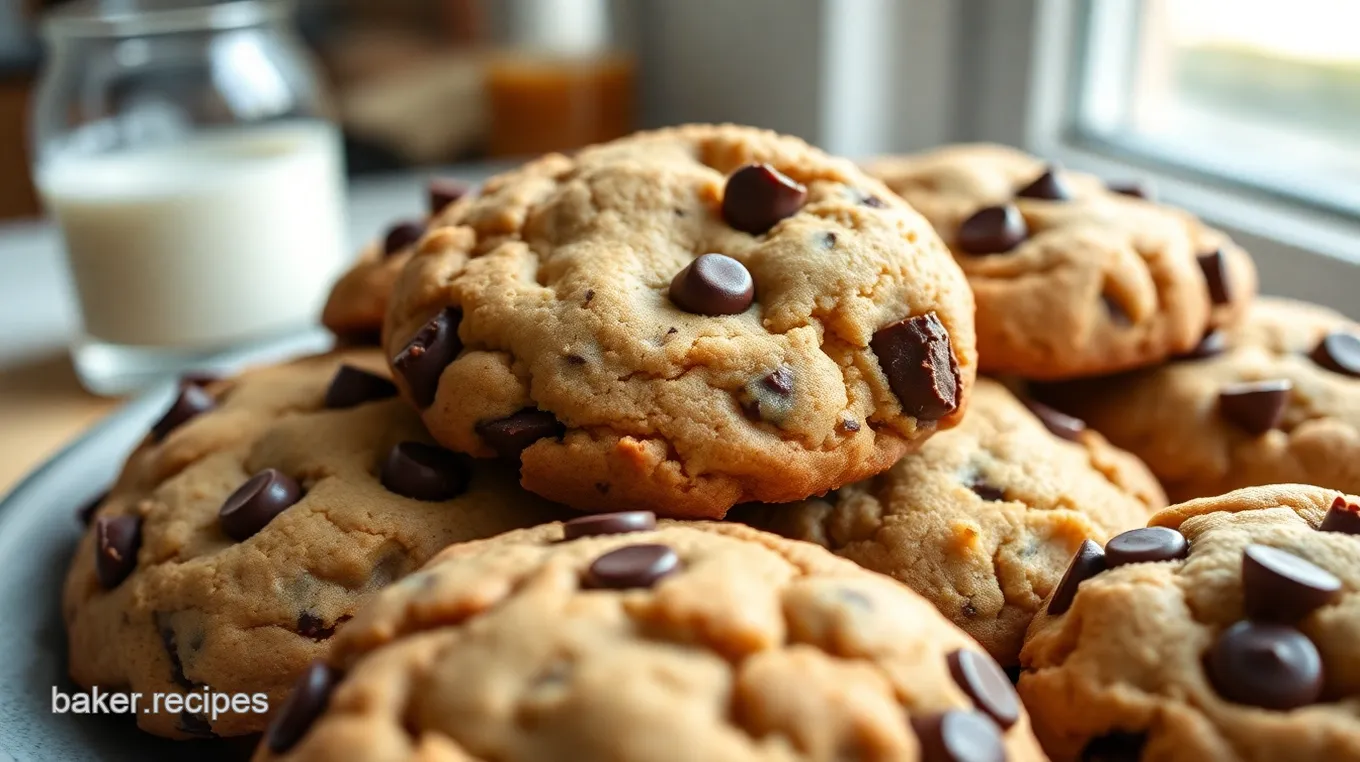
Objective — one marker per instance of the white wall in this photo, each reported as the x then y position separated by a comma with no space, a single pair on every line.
715,60
858,77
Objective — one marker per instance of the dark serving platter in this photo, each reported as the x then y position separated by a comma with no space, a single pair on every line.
38,533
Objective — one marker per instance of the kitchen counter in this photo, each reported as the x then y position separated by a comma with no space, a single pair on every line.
41,403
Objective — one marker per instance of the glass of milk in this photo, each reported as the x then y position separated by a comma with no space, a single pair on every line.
184,149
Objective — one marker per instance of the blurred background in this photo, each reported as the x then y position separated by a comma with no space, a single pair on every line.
1252,92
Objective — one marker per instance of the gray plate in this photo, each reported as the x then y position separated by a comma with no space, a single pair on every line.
38,532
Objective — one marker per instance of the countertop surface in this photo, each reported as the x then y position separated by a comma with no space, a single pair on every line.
42,405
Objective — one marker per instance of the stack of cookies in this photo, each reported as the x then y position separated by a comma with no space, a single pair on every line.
676,449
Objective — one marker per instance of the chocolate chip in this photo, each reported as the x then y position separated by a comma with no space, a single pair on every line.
256,503
1214,265
1343,517
309,698
424,472
166,629
510,436
848,425
444,191
428,353
1049,186
713,284
1264,664
1281,587
310,625
984,682
632,566
829,239
575,359
1145,545
993,230
779,381
770,397
872,201
1087,562
609,523
354,386
402,235
1255,406
1115,747
1339,351
916,356
85,513
117,539
193,725
1058,423
590,294
987,491
757,196
959,736
1135,188
1215,342
192,401
1013,673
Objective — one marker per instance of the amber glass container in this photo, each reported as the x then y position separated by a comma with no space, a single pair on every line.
560,79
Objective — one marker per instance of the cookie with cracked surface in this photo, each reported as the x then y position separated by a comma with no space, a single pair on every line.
983,519
358,301
262,511
1275,400
1071,278
652,642
683,320
1226,631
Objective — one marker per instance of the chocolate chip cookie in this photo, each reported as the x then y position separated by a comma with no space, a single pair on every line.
1274,400
614,638
1071,278
1224,631
253,521
683,320
983,519
358,301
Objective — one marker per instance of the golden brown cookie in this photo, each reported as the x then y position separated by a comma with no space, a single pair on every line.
611,638
1225,632
983,519
1071,279
257,517
1274,400
358,301
684,320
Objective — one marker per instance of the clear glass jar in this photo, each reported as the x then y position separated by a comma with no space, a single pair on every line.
185,150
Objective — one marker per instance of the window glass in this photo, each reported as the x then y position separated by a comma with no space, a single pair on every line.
1257,91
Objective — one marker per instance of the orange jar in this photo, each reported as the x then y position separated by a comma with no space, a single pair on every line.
558,82
546,104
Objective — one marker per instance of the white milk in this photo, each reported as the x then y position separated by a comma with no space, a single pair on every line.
225,237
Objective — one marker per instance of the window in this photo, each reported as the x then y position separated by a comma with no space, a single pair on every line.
1257,94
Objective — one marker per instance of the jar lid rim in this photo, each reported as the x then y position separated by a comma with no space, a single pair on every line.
99,18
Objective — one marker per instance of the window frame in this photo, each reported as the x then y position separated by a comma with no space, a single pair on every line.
1105,61
1030,90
